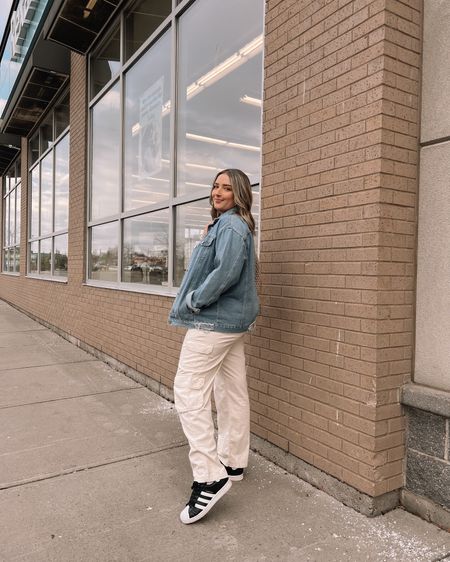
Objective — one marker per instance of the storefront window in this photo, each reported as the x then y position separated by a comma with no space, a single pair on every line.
106,155
60,254
190,221
106,63
104,252
166,122
11,218
146,248
142,20
49,197
219,98
147,128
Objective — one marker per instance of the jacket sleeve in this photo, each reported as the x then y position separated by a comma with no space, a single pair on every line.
229,260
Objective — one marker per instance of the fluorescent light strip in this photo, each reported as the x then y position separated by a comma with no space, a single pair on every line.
200,166
234,61
251,101
196,184
222,142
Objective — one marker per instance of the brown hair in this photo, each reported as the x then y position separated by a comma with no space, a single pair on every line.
242,193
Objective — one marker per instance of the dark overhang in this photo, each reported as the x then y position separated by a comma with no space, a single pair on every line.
9,149
45,73
77,24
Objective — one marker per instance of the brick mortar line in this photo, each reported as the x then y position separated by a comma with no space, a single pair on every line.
67,472
445,461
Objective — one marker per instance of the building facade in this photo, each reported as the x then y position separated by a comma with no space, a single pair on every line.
117,116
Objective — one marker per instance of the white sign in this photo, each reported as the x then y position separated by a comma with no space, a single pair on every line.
20,22
150,133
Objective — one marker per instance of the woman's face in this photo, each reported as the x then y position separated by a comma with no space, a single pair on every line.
222,194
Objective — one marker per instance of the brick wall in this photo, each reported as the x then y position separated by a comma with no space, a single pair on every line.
333,342
338,223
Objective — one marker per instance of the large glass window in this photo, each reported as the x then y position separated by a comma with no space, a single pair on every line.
11,218
219,99
163,122
49,197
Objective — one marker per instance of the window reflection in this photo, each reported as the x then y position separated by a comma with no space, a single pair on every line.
47,194
103,259
60,255
220,88
35,202
34,148
18,219
135,136
46,131
17,259
62,184
106,63
34,254
6,259
49,187
62,116
106,155
45,257
147,128
146,249
142,20
11,203
7,223
191,219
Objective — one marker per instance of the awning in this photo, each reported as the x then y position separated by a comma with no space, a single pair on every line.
77,24
45,73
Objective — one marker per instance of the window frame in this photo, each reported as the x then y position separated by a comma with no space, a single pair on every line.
65,133
173,201
6,194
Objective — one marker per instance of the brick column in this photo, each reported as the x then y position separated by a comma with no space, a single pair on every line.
78,174
337,241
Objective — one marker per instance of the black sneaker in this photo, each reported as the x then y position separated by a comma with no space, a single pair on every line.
235,474
202,499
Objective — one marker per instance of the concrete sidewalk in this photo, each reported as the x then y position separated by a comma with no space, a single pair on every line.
94,468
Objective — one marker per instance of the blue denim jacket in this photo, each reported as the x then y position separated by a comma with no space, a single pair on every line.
218,291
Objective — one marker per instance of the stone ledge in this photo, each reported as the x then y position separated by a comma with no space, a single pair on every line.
426,398
426,509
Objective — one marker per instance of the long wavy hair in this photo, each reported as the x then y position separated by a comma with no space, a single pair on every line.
242,193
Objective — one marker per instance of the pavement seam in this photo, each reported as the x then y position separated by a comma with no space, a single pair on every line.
82,468
47,365
71,397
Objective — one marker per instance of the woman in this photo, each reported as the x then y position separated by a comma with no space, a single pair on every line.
218,303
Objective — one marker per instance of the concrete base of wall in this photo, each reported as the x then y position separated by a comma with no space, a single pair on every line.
427,489
426,509
346,494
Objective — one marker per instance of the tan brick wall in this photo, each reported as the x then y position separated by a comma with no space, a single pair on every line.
338,222
333,342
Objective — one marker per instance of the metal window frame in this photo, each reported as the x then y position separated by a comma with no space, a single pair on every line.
31,168
7,246
171,24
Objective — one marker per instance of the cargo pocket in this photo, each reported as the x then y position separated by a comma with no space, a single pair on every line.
189,382
188,393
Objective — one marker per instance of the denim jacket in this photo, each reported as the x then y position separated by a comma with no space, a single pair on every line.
218,291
